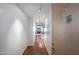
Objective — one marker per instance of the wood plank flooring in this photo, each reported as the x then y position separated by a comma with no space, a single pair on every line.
38,48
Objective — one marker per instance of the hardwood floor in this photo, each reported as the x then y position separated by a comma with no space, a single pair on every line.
38,48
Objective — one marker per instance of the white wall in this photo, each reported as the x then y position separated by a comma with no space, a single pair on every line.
30,32
49,33
13,29
65,35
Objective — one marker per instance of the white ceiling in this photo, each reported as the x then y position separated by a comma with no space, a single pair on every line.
31,9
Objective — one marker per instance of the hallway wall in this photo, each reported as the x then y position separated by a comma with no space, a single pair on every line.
48,34
65,35
13,29
30,32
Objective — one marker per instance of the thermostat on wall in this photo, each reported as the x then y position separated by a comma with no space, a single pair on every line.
69,18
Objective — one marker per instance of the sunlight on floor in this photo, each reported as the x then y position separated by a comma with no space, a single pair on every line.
40,45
